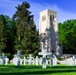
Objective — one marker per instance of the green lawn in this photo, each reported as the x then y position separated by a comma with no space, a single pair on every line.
37,70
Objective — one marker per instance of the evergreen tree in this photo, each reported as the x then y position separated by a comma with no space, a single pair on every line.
30,41
3,33
27,35
11,34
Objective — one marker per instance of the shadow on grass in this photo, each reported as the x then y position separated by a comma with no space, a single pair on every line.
34,66
39,72
28,67
63,67
20,67
35,70
40,67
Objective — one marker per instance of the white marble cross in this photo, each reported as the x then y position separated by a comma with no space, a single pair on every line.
30,58
14,60
74,59
37,60
44,53
3,58
6,61
40,60
53,60
18,56
24,60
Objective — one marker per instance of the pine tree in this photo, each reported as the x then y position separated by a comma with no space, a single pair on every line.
10,27
27,35
3,33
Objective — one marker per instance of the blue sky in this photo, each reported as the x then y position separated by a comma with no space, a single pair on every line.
66,9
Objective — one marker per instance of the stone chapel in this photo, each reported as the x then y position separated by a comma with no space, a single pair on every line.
48,31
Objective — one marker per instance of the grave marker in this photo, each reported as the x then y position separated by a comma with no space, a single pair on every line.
30,58
6,61
37,60
3,58
18,56
44,53
24,60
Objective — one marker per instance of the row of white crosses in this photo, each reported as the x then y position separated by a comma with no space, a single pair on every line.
32,61
18,61
70,61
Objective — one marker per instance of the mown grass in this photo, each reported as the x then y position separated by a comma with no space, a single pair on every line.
37,70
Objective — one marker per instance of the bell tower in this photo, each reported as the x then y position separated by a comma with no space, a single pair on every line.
48,28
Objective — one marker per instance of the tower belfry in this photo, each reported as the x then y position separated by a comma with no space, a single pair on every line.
48,31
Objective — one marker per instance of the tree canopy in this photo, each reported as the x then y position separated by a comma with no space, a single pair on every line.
3,33
27,35
67,36
19,33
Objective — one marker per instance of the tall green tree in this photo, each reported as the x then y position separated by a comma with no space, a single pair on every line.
3,33
30,41
11,34
27,35
67,36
